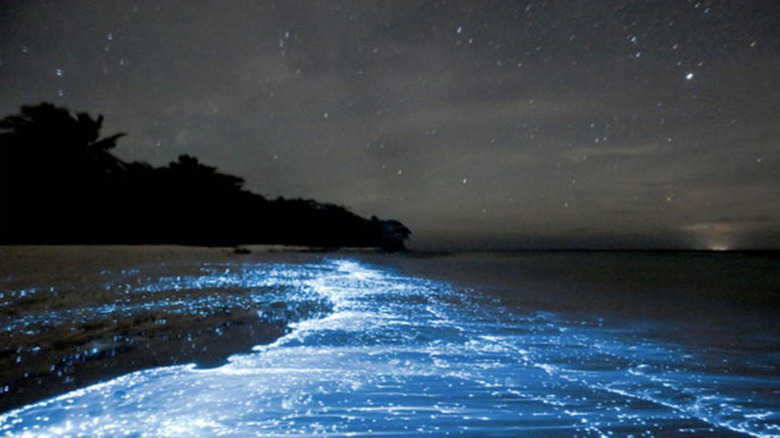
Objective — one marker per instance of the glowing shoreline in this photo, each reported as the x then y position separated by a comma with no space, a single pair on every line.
401,355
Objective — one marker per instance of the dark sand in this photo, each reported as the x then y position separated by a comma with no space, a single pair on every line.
39,359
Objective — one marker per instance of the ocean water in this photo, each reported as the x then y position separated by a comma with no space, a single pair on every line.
387,353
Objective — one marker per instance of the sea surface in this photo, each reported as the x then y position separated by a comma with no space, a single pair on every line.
466,345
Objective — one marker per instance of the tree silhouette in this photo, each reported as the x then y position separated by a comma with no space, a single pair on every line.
60,183
190,171
51,162
68,142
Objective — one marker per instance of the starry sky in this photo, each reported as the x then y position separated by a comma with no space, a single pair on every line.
479,124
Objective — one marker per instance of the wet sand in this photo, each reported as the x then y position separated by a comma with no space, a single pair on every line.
42,357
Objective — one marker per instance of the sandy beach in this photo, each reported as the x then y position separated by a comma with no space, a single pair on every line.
72,316
191,341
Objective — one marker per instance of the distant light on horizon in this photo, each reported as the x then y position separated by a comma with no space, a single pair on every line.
718,243
716,236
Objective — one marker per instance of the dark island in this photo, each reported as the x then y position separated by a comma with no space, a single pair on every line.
60,184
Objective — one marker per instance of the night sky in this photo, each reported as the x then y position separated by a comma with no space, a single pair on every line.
478,124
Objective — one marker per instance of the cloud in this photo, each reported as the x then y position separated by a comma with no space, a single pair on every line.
580,154
711,227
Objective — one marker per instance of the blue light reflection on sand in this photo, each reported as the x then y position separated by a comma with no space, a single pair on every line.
262,283
408,356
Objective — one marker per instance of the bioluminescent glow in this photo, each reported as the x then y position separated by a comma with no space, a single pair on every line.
388,354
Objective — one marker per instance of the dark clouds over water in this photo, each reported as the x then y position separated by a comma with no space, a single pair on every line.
507,123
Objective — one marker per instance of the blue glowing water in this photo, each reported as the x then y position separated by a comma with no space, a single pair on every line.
399,355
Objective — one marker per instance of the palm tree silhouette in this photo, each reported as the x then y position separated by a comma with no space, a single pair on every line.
56,175
52,139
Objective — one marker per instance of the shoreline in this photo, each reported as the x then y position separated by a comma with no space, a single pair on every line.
683,297
63,362
45,359
62,326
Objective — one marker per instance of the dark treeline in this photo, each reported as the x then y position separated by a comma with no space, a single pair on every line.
60,184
